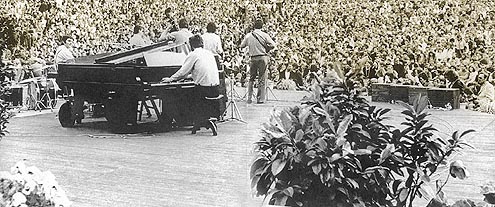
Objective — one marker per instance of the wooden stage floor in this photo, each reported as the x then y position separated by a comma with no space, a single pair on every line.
97,168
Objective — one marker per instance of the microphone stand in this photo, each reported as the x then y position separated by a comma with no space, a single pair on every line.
235,114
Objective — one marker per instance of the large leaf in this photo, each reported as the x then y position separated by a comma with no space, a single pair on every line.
316,169
289,191
403,194
466,132
420,103
287,119
426,191
257,166
407,106
389,149
344,124
277,166
299,135
362,152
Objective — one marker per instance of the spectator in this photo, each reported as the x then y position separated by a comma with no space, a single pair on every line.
486,97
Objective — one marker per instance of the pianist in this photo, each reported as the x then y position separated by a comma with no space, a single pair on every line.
202,66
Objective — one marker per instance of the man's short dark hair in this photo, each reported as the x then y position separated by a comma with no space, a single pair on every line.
64,39
196,41
211,27
183,23
137,29
258,24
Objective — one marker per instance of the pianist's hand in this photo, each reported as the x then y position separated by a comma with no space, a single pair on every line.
166,80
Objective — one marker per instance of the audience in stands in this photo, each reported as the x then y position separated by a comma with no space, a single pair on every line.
411,42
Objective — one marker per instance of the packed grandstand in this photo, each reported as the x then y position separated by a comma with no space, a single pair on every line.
407,42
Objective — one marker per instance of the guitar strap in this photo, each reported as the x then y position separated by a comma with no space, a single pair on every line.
257,38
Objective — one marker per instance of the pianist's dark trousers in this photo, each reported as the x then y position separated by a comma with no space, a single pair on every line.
205,109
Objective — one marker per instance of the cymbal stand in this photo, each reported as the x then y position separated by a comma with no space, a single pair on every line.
232,106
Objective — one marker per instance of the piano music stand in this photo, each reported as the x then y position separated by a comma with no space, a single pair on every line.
235,113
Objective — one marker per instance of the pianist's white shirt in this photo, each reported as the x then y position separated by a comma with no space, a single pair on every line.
203,67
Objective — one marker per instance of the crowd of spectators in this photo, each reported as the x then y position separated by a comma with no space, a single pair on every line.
407,42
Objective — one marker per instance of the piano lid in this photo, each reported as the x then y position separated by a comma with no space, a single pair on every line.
136,53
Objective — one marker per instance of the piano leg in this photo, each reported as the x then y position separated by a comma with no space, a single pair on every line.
77,109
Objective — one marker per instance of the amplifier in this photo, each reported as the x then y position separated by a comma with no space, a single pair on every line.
415,91
399,93
380,92
440,97
16,96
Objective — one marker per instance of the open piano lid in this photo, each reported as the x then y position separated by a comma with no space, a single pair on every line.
139,52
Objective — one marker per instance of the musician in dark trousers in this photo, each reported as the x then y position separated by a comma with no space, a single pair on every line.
258,43
202,66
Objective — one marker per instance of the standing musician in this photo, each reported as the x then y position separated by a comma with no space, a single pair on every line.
181,36
259,44
202,66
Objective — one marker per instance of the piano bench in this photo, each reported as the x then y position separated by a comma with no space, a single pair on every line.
212,103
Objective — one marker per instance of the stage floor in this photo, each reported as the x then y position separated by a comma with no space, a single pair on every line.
98,168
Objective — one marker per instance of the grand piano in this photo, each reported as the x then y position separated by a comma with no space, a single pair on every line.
121,81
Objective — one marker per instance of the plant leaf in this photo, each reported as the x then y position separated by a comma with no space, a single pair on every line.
389,149
289,191
362,152
466,132
316,169
403,194
277,166
257,165
344,124
299,135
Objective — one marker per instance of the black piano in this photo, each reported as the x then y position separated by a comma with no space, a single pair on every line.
122,80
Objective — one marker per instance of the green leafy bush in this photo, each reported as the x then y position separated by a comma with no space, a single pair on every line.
29,186
336,150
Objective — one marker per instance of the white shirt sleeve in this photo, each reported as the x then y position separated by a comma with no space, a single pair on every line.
186,68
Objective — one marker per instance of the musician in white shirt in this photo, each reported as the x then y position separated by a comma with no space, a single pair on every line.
138,39
211,40
181,36
202,66
63,54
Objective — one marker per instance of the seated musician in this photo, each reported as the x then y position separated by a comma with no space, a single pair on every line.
202,66
63,54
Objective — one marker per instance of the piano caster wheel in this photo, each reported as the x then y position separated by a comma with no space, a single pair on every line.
65,116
